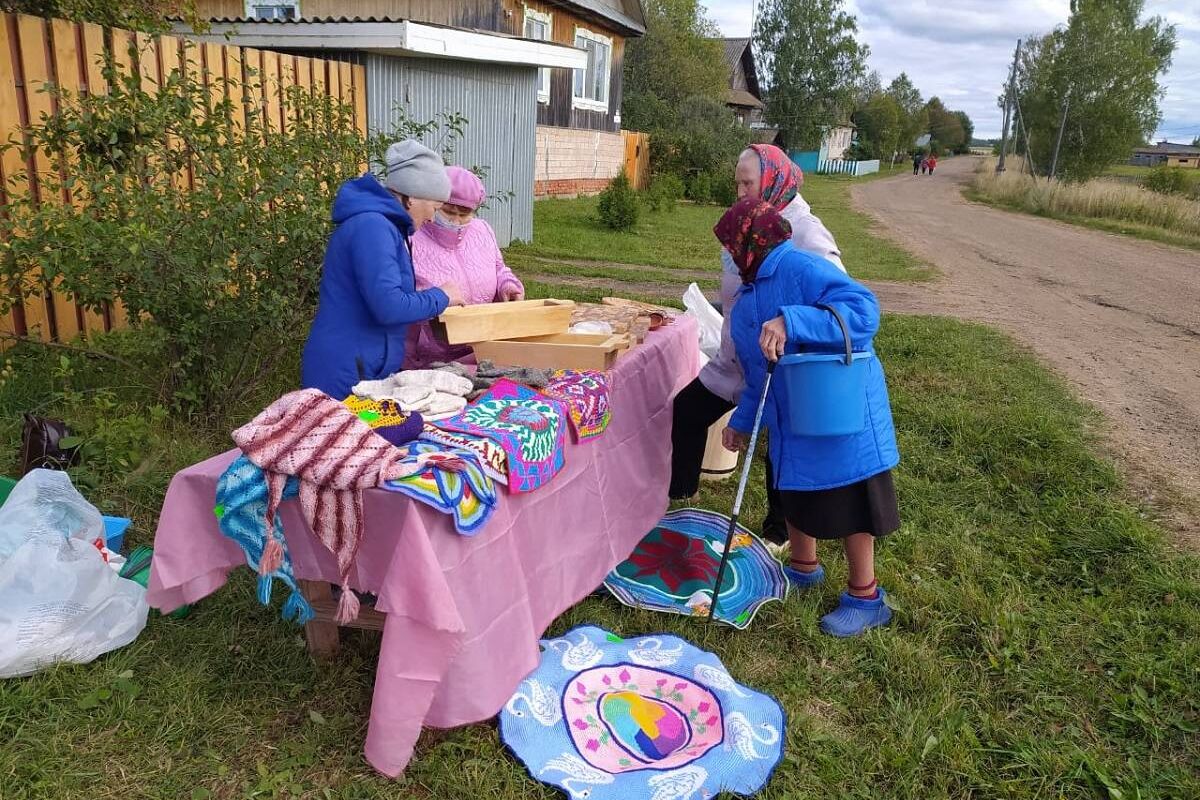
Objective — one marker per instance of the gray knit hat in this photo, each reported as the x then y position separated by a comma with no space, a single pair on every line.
414,170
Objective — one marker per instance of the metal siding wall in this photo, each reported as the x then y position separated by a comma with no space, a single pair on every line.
500,105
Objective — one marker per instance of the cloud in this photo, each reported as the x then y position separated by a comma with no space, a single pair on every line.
961,52
965,22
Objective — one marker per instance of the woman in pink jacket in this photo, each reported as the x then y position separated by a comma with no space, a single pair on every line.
458,247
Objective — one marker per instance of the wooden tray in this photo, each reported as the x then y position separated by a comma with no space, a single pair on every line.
559,351
488,321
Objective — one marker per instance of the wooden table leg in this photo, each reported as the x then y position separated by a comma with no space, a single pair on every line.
321,633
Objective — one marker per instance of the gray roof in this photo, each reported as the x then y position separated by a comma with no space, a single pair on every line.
632,23
733,52
1169,149
740,97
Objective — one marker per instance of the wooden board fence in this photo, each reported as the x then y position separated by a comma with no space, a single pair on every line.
35,52
637,158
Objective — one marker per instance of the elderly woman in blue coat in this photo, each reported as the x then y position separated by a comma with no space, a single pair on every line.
831,487
368,290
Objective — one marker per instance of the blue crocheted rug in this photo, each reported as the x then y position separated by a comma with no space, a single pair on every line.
651,717
675,568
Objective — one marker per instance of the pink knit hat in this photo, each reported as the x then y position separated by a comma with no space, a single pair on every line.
466,189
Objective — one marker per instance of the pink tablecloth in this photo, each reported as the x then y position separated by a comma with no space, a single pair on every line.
464,614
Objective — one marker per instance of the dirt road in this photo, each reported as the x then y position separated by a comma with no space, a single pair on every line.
1119,317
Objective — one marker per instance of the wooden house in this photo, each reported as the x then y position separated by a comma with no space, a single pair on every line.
539,81
745,94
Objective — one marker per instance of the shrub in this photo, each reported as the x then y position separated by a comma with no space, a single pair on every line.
700,189
664,192
141,15
619,204
1167,180
210,228
702,136
724,188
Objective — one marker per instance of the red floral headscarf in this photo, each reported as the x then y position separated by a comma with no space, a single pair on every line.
781,177
750,230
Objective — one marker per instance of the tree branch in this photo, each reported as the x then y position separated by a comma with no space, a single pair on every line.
72,348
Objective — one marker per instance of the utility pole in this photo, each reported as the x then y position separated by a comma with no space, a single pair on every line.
1008,98
1062,124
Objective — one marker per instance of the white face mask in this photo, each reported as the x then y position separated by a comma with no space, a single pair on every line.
444,222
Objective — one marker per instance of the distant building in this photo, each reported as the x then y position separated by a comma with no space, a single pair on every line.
837,141
834,144
745,96
1166,153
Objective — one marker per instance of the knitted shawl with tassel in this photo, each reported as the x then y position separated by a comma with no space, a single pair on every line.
335,455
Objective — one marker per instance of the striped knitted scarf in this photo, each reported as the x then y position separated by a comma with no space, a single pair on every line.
335,455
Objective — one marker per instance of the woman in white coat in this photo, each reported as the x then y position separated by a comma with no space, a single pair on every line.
765,171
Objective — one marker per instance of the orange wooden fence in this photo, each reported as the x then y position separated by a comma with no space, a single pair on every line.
637,158
35,52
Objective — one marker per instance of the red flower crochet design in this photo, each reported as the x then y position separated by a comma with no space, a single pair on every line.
674,559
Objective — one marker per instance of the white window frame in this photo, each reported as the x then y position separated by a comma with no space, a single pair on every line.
586,102
543,73
250,4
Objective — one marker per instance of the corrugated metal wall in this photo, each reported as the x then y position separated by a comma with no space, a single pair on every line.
500,103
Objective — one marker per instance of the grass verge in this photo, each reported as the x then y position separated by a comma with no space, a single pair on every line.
1046,642
674,248
1107,205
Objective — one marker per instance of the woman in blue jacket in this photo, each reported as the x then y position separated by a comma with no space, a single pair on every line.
368,291
837,487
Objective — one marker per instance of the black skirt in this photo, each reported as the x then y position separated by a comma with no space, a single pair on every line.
868,506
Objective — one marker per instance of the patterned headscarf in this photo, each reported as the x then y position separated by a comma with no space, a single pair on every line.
750,230
781,178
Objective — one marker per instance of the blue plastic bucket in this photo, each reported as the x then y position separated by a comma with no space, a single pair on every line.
825,394
825,397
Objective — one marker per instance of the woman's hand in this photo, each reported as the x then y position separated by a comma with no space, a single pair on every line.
734,441
454,292
773,339
511,294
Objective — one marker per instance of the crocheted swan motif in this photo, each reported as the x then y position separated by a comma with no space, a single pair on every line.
540,701
577,656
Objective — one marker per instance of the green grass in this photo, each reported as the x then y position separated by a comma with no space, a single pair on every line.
672,249
1046,643
570,229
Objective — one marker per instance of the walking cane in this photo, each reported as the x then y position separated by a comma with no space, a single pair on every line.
741,491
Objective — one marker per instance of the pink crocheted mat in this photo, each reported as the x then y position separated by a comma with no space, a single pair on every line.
585,394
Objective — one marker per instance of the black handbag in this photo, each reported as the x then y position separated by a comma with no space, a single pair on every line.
42,444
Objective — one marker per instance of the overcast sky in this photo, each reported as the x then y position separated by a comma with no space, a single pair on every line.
961,51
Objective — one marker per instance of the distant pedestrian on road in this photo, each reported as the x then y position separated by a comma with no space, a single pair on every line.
931,162
918,159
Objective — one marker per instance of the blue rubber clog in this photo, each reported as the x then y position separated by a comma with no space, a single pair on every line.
854,615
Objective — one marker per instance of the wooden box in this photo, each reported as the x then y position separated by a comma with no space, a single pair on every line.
578,351
488,321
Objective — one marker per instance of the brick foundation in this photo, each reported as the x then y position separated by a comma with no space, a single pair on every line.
573,162
573,187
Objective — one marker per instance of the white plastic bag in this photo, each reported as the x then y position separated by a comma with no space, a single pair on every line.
59,601
593,326
707,318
